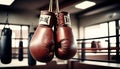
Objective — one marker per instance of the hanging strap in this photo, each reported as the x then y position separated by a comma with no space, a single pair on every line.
50,5
7,23
57,6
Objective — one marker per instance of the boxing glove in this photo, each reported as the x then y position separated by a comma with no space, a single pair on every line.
31,60
64,38
94,45
42,43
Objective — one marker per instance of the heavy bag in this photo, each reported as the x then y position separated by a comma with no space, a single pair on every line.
31,60
42,42
93,45
6,41
20,51
64,48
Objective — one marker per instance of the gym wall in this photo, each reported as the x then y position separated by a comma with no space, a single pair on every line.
17,17
27,18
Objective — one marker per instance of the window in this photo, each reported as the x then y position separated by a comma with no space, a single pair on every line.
96,31
106,37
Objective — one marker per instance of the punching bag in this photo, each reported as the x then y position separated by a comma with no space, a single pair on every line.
20,53
64,48
42,42
6,41
31,60
94,45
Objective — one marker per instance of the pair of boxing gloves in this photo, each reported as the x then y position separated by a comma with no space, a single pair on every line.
47,41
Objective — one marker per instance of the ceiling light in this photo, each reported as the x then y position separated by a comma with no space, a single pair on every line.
85,4
6,2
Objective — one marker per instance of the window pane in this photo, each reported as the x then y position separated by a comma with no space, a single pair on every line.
99,30
112,28
17,43
92,31
103,30
25,43
25,31
15,31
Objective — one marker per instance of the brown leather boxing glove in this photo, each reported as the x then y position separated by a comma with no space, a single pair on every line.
64,37
42,43
93,45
